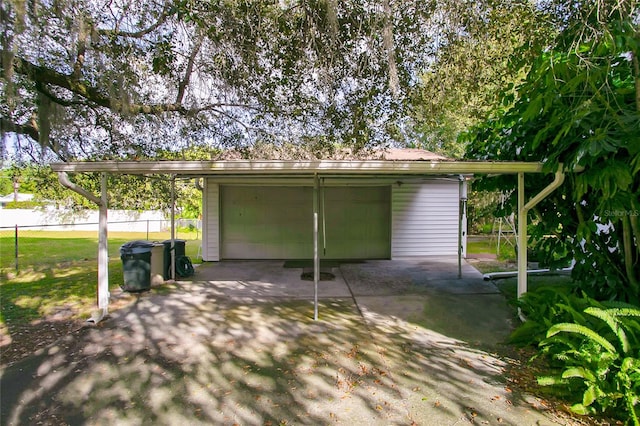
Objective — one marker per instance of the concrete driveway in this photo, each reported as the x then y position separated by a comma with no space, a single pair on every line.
397,342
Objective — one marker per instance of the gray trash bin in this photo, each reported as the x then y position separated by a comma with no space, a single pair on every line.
136,265
157,264
179,247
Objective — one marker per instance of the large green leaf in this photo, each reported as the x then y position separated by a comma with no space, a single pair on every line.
590,395
580,372
613,323
583,331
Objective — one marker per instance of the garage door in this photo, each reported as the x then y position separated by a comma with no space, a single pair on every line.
357,223
266,222
277,222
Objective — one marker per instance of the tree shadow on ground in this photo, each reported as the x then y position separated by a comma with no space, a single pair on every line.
196,357
44,303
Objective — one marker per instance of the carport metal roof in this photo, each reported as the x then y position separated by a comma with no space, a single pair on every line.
309,168
300,167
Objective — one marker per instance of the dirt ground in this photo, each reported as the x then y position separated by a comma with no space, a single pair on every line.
25,340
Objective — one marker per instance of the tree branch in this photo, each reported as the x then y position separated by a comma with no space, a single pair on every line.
22,129
166,12
31,130
45,76
636,70
387,34
187,74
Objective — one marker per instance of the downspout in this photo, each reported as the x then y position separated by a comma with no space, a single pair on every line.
103,252
523,209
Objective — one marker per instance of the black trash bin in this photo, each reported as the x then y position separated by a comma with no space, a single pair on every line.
180,251
136,265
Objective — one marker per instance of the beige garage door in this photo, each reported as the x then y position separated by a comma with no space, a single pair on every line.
357,223
277,222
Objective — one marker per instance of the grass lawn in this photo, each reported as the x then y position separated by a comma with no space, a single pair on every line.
507,261
58,272
509,286
477,244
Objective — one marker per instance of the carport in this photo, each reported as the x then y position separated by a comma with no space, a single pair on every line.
315,171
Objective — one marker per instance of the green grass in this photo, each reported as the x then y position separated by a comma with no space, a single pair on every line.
58,271
487,244
509,286
478,244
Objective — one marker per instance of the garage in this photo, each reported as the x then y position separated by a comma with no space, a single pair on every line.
427,194
275,222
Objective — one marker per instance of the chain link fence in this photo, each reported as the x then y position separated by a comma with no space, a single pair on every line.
44,244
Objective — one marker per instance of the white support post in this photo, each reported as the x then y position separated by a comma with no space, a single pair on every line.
173,227
522,238
460,227
103,250
316,257
102,291
523,209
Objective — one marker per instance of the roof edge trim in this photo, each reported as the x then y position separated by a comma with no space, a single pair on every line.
292,167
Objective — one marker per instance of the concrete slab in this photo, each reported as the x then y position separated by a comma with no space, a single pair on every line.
238,345
262,280
437,274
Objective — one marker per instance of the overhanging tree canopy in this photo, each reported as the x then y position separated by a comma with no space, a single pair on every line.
112,79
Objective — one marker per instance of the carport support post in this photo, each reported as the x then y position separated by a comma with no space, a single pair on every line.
103,254
316,258
522,238
460,227
173,227
103,249
523,208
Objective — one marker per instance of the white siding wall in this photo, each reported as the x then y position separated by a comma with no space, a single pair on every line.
211,221
425,219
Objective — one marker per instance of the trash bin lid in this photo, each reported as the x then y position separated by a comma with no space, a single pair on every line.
176,240
136,247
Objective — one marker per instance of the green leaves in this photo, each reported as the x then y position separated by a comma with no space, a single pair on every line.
582,330
601,357
578,106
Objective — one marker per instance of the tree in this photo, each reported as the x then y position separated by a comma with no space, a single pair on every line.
580,106
93,79
464,82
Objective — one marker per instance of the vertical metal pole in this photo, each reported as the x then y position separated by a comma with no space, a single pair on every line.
460,228
16,249
316,258
173,227
324,220
147,229
103,249
522,238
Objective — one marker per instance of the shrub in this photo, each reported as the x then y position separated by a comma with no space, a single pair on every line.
592,349
545,307
598,358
